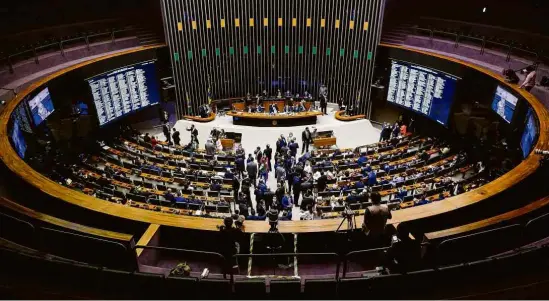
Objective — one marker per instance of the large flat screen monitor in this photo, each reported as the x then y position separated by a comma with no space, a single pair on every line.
20,113
504,104
530,133
423,90
41,106
124,90
18,139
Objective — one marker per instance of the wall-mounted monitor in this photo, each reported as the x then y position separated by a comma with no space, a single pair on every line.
530,133
504,104
41,106
124,90
22,116
423,90
18,139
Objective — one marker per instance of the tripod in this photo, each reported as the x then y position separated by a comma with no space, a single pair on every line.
349,216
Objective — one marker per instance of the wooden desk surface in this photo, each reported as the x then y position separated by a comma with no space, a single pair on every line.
18,166
274,117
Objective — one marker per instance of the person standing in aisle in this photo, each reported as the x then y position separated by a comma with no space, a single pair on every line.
176,136
166,130
307,139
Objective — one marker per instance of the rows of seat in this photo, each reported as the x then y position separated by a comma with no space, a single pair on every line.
417,173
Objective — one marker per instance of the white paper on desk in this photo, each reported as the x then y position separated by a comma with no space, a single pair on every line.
105,147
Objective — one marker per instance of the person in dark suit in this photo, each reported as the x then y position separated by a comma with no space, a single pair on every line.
307,139
268,153
194,132
166,131
251,168
147,138
323,104
322,182
236,187
176,137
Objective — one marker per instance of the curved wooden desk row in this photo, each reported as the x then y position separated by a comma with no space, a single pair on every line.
18,166
339,116
200,119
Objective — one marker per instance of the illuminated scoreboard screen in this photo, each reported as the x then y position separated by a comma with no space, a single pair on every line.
423,90
124,90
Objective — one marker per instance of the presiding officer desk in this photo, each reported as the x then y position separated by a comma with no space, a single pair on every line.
280,119
440,210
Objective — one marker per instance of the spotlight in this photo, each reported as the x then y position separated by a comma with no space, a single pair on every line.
484,10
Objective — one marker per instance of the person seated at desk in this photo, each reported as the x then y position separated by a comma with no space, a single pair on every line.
397,179
307,95
388,167
422,200
228,174
273,109
169,196
216,186
288,94
359,184
362,160
278,94
301,107
260,109
352,198
288,108
365,170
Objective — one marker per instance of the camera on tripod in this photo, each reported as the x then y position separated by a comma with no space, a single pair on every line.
272,216
348,212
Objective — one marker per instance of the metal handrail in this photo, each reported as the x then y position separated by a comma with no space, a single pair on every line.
346,257
483,42
187,251
59,46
